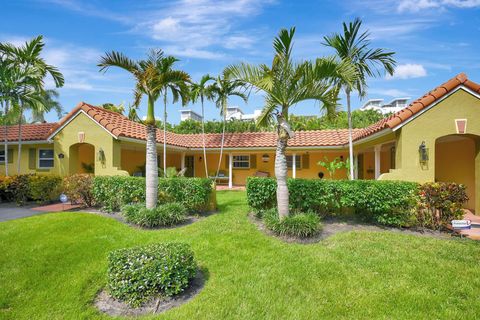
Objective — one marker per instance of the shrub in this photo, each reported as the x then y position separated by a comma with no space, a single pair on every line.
139,273
79,188
300,225
44,188
168,214
441,202
17,188
113,192
385,202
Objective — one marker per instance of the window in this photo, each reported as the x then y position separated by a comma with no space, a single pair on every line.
45,158
298,162
241,162
2,156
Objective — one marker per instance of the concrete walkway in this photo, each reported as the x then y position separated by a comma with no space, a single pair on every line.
10,211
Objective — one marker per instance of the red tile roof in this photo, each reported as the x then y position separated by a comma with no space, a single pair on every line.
419,105
120,126
30,132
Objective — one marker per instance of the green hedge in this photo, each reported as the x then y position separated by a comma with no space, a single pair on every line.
385,202
137,274
113,192
30,187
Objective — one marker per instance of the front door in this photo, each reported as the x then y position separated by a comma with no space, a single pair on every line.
190,165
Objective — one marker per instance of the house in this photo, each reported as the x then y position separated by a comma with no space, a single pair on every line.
393,106
188,114
435,138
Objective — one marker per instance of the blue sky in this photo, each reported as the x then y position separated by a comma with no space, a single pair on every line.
433,40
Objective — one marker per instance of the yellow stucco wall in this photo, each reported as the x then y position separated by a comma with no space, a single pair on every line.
438,121
95,136
25,164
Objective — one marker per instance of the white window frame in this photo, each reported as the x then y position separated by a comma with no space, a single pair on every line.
52,158
298,159
242,161
2,155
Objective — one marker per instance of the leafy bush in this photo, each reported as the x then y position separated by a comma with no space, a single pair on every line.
44,188
167,214
139,273
113,192
301,225
261,193
440,203
24,187
79,188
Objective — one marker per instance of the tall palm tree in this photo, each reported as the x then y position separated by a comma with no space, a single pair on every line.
50,103
28,58
176,83
284,84
200,90
354,47
150,81
223,88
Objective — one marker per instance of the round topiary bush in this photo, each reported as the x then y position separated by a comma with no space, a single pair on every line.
168,214
137,274
300,225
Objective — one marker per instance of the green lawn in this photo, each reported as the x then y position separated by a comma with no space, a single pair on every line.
52,266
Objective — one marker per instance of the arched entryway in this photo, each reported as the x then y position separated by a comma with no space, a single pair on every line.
82,158
455,162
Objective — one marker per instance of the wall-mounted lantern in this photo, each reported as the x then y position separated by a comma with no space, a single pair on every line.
61,156
265,158
423,153
101,156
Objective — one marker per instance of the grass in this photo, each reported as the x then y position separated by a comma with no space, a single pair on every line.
52,266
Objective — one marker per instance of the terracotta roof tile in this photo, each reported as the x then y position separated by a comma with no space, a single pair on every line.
30,132
418,105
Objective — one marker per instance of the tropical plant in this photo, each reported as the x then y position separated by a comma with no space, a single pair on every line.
285,83
153,77
221,90
50,103
332,166
27,59
201,90
120,108
354,47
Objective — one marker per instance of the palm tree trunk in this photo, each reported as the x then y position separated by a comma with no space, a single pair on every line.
5,139
350,141
203,137
165,135
19,138
281,176
151,168
221,146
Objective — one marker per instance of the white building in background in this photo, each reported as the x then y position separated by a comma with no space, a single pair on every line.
393,106
188,114
237,113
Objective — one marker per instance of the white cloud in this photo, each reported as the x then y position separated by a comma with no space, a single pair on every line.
409,71
418,5
395,93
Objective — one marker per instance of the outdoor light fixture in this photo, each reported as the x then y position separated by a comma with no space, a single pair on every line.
101,155
61,156
423,153
265,158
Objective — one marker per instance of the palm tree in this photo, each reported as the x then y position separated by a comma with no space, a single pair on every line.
176,83
354,47
200,90
28,58
223,88
49,102
284,84
150,78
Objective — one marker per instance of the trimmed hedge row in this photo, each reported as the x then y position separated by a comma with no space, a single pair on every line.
168,214
393,203
113,192
137,274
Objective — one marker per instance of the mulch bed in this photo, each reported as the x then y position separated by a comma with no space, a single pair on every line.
108,305
333,226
